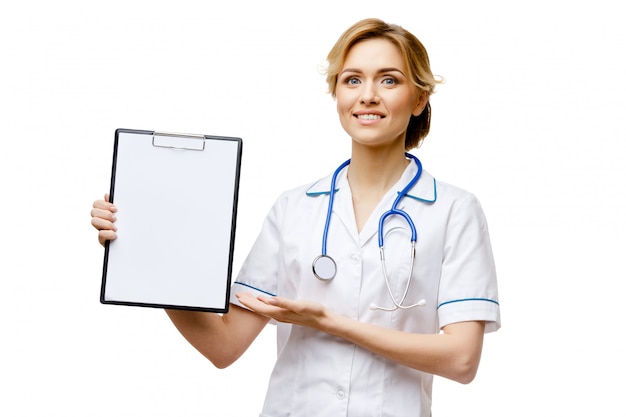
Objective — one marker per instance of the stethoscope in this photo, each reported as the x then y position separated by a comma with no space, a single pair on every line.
324,266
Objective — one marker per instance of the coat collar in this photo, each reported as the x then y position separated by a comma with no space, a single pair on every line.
425,190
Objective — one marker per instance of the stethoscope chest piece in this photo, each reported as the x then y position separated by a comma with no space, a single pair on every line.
324,268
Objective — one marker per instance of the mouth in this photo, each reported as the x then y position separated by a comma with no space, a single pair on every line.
369,116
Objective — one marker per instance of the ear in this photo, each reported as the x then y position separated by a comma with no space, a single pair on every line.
421,103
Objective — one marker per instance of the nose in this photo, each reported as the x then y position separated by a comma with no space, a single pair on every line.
369,94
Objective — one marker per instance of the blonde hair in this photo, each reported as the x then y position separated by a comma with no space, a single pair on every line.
416,59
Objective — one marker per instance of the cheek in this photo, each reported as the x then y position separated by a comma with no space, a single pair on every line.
343,115
345,97
404,107
343,105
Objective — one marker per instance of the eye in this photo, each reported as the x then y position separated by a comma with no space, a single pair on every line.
389,81
352,81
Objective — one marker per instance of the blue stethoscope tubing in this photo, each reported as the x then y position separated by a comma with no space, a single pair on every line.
324,266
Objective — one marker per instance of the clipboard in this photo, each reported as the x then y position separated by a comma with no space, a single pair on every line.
176,196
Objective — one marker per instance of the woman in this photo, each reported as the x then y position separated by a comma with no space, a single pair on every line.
359,335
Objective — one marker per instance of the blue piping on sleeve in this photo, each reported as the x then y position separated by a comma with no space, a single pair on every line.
467,299
255,288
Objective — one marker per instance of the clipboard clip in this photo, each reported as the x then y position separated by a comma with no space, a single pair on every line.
178,141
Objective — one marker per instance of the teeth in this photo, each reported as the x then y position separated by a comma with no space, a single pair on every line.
369,116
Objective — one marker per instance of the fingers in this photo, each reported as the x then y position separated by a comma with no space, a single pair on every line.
251,301
102,223
279,308
258,304
284,303
103,215
273,301
105,235
105,204
103,219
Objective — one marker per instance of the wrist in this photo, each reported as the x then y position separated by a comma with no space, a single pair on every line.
332,323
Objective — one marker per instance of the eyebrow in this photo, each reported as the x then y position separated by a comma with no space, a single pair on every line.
382,70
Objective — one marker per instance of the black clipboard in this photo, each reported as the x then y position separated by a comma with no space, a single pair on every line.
177,208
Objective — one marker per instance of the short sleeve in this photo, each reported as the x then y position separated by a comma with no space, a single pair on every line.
468,286
259,272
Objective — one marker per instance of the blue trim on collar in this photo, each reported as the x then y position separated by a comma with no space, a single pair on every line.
314,194
424,200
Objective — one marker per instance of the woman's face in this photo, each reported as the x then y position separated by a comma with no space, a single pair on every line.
375,99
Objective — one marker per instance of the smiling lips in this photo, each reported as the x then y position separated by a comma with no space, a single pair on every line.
369,116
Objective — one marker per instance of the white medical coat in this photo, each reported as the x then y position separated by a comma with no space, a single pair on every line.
319,375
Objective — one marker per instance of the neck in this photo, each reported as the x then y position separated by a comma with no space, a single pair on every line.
376,170
371,174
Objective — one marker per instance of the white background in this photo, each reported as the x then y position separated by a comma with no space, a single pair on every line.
530,119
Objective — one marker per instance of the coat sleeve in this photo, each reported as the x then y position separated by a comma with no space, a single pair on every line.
260,271
468,287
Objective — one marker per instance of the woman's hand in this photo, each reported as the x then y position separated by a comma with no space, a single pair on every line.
103,219
454,353
300,312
